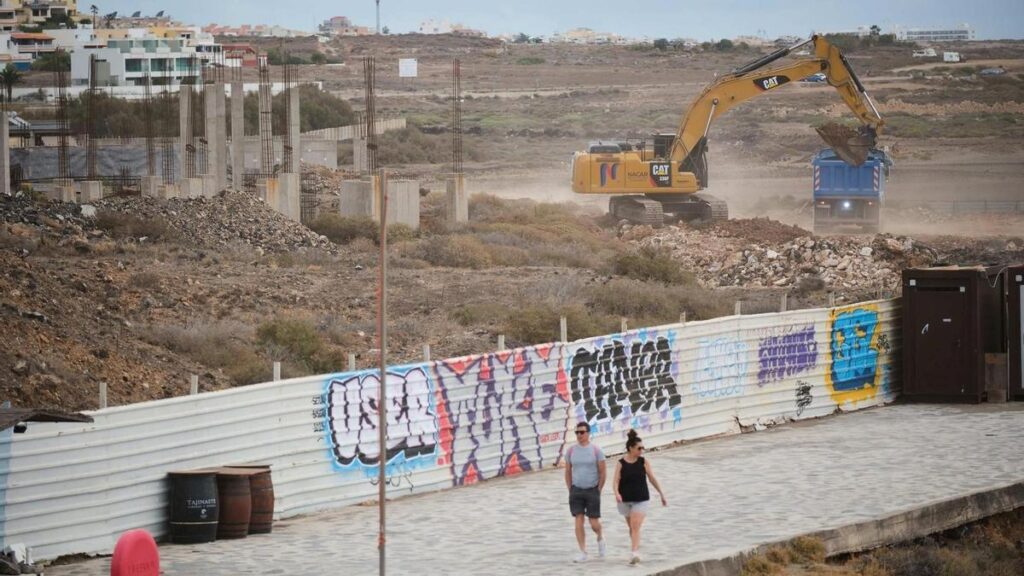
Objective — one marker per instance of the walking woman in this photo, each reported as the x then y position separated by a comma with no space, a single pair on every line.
631,475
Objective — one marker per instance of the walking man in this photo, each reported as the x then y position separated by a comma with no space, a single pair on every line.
585,473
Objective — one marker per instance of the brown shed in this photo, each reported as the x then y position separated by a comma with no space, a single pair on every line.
952,317
1015,304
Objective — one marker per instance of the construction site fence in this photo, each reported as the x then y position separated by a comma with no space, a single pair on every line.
978,207
341,133
47,94
75,488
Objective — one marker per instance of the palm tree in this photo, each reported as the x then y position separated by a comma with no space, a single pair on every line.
95,11
9,77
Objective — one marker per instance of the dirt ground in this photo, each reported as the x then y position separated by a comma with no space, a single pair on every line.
84,306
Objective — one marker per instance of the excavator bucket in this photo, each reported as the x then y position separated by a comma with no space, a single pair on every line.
852,146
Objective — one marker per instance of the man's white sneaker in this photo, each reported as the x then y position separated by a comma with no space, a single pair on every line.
634,560
601,548
581,557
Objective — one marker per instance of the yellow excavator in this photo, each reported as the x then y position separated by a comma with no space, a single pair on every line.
648,182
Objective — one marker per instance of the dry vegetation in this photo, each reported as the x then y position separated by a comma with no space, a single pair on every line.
992,547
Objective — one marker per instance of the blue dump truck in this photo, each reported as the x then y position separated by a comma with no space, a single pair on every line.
846,196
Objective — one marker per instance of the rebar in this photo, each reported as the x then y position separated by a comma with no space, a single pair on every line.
289,146
266,119
456,117
167,140
90,122
148,128
63,160
369,78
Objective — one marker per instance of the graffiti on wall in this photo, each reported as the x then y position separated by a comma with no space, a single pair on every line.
721,367
352,420
501,413
855,355
786,352
803,396
629,377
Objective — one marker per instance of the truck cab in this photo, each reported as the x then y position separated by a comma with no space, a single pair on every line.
848,196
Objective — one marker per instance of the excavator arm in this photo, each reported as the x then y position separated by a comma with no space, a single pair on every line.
754,79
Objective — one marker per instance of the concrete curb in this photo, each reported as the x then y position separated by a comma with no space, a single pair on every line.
902,527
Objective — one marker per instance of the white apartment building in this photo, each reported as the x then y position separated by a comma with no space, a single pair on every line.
962,32
126,62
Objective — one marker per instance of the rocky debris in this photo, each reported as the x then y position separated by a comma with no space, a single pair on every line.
229,218
845,264
760,230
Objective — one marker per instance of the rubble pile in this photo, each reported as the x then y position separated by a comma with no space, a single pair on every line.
229,218
847,263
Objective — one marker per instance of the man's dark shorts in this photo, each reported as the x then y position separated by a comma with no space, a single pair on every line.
585,501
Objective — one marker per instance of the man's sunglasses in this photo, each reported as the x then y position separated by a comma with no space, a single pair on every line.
581,432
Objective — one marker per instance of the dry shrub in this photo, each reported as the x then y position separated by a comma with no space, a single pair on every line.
649,304
778,555
218,346
807,549
649,263
539,323
761,566
342,229
464,251
145,280
121,225
298,342
479,313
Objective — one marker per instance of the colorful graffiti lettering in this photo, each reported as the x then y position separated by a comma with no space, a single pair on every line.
621,379
786,354
353,417
803,396
721,367
503,413
854,367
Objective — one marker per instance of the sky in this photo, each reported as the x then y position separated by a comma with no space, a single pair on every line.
711,19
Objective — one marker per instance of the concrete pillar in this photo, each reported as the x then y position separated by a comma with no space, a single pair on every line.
184,136
150,186
210,188
63,192
5,156
222,136
90,191
266,131
458,200
289,196
360,156
237,135
213,147
404,203
168,191
356,200
268,191
190,188
294,130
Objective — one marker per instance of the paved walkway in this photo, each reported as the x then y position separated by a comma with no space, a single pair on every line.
725,496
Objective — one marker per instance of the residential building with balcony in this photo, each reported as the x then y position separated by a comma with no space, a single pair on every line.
961,33
127,62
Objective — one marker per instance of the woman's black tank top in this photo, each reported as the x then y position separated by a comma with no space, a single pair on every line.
633,481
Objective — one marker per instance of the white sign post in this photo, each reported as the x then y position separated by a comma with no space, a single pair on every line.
407,68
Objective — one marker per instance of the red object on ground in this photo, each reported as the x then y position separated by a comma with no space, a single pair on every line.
135,555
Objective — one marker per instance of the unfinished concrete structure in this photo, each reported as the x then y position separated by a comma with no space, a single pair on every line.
458,201
5,155
214,147
185,146
237,134
90,191
403,196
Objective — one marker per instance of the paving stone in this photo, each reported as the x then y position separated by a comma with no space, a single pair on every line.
725,495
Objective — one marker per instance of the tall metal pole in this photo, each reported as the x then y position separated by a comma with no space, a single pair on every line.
378,17
382,332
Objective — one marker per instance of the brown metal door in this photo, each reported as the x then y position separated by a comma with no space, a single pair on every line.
941,348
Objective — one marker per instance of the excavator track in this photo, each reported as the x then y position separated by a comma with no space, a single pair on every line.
715,209
637,210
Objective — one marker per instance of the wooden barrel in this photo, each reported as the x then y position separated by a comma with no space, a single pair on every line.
235,503
194,506
261,485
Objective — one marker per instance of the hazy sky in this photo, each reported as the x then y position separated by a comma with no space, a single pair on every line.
652,18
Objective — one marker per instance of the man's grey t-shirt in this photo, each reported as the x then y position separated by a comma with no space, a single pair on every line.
584,461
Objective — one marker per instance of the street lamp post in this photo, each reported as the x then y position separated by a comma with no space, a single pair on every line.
378,17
